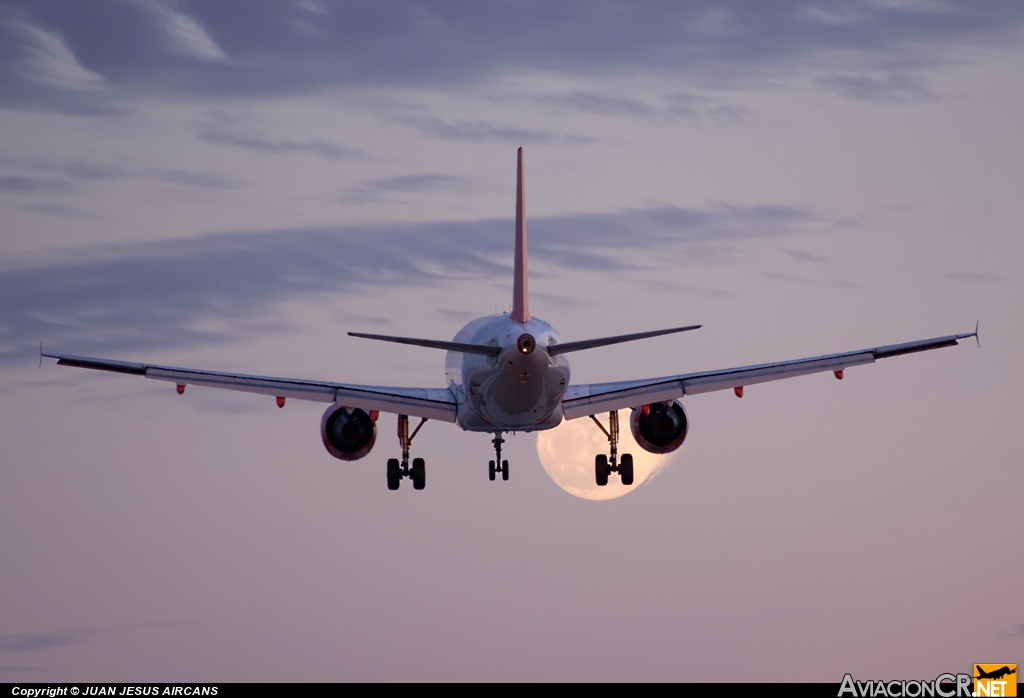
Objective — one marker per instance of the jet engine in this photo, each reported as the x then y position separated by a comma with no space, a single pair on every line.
660,427
348,433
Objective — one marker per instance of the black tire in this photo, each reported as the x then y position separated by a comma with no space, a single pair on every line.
419,474
626,469
394,474
504,470
490,470
601,469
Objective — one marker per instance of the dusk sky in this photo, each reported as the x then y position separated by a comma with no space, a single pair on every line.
236,185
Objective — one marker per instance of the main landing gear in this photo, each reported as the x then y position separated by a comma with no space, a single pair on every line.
492,468
603,465
397,470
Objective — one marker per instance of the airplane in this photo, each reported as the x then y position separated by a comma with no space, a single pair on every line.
509,372
995,675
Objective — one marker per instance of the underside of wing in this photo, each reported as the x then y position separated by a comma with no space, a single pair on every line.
429,403
584,400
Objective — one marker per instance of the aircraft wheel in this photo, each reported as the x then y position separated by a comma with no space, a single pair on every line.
626,469
394,474
601,469
490,470
419,474
504,470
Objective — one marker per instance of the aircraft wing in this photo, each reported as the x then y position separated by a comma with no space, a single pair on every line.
431,403
584,400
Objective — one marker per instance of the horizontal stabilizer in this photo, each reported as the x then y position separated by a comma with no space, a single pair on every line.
433,344
565,347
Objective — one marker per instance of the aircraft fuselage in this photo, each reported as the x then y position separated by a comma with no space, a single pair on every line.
520,389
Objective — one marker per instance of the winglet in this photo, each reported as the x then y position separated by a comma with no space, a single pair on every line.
977,339
40,353
520,291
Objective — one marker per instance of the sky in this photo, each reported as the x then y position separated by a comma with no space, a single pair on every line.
236,185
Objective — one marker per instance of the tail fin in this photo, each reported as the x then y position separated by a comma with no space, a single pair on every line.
520,292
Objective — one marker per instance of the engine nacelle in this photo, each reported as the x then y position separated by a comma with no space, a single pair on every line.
663,429
348,433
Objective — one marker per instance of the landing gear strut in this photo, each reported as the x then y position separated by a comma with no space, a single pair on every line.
399,469
603,465
492,468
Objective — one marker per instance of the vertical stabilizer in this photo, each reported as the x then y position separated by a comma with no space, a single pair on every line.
520,291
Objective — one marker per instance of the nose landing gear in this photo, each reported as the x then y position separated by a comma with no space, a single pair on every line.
498,465
399,469
604,465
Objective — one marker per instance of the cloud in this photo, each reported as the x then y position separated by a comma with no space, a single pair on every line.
687,105
57,210
597,104
99,171
845,13
33,642
192,178
19,184
675,105
479,131
324,149
377,189
802,256
863,50
416,183
91,170
831,283
39,70
52,63
28,642
889,87
119,300
188,36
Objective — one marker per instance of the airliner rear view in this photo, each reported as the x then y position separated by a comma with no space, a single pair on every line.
505,373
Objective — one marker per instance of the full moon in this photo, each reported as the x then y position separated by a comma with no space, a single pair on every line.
567,454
